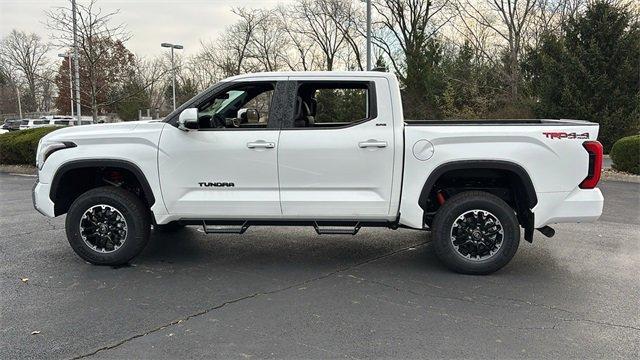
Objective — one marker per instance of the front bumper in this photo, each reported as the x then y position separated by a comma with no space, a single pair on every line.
41,201
568,207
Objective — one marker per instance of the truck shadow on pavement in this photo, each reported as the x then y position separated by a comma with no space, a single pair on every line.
273,248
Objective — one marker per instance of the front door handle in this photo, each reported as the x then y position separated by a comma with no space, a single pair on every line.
372,143
261,144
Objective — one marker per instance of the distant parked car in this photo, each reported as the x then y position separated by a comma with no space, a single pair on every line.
67,120
61,120
33,123
51,121
10,125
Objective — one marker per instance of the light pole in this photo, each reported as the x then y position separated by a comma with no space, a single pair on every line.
173,69
368,34
76,63
19,102
68,57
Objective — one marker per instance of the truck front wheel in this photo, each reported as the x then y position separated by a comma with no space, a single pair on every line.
107,226
475,232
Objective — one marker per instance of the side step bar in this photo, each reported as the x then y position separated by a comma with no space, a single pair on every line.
547,231
224,228
336,229
322,227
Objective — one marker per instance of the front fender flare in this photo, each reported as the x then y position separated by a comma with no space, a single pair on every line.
127,165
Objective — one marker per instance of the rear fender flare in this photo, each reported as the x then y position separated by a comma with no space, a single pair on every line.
480,164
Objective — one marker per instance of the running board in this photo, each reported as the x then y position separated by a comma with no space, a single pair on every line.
336,229
224,228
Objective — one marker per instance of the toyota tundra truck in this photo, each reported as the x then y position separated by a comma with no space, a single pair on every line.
330,150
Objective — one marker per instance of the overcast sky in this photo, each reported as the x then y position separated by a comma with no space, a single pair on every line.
150,22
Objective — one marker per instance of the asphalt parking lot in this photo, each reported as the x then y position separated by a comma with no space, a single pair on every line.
288,293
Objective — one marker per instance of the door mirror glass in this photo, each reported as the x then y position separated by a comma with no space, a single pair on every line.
249,115
188,119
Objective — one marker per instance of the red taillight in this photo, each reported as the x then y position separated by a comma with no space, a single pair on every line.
594,148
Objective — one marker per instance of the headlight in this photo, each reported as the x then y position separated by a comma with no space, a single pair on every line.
46,148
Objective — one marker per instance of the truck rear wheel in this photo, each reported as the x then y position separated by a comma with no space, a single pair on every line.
107,226
475,232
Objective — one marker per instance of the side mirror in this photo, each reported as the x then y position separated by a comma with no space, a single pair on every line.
188,119
249,115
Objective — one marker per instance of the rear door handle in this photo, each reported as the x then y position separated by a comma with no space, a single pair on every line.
261,144
372,143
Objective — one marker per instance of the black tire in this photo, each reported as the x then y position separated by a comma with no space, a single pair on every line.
131,208
464,203
169,228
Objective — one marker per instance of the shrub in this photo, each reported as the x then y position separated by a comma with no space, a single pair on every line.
19,147
625,154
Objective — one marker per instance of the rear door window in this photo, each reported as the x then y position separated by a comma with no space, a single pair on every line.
333,104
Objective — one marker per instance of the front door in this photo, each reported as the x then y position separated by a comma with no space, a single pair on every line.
228,167
336,157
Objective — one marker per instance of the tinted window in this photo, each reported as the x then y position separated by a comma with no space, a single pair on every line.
242,106
332,104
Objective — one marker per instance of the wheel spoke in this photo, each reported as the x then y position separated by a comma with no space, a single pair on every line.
477,234
103,228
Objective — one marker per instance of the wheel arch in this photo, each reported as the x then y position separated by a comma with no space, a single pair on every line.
102,163
519,171
521,183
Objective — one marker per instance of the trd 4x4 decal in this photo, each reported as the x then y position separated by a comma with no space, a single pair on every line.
565,135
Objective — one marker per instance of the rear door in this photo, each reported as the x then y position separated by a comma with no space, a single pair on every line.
335,156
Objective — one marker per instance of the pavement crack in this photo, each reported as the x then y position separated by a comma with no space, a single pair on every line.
247,297
465,299
604,323
470,300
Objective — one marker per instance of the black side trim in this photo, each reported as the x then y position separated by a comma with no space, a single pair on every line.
480,164
499,122
77,164
289,222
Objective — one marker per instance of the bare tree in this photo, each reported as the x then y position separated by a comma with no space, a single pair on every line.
268,42
152,73
550,15
232,52
8,89
405,27
25,54
203,68
97,36
510,20
349,19
302,54
311,19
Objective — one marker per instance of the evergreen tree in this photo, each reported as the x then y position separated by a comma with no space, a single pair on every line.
592,72
425,83
130,98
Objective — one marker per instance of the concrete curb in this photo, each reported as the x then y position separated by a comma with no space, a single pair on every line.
614,175
18,169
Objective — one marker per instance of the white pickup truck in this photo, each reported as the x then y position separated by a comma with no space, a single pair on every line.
330,150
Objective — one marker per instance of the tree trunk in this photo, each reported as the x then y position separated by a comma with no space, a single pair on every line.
94,103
